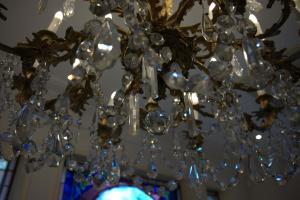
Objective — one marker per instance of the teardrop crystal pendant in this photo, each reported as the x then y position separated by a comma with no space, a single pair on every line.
106,45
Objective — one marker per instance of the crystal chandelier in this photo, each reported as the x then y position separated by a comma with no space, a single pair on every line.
206,72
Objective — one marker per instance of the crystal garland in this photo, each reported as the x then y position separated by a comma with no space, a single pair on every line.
262,144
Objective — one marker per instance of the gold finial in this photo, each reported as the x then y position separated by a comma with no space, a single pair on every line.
167,8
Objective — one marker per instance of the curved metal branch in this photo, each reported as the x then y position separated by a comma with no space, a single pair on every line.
2,16
178,16
274,29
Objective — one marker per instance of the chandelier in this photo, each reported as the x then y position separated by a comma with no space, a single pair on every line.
187,83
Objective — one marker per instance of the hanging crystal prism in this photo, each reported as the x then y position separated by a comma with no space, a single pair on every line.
115,173
252,55
69,8
152,78
189,114
194,173
134,114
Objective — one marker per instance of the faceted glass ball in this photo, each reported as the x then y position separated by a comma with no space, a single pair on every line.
156,122
175,79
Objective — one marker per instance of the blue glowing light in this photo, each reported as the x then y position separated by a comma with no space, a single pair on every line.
123,193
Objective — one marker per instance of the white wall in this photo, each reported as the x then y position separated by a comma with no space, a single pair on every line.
41,185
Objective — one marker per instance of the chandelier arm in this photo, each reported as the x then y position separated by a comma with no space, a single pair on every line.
7,49
2,16
251,125
177,17
281,61
45,46
242,87
155,10
274,29
171,55
120,30
118,11
293,57
192,28
203,113
205,56
79,94
198,62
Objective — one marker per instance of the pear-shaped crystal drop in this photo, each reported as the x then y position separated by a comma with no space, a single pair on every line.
69,8
106,46
166,54
152,170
